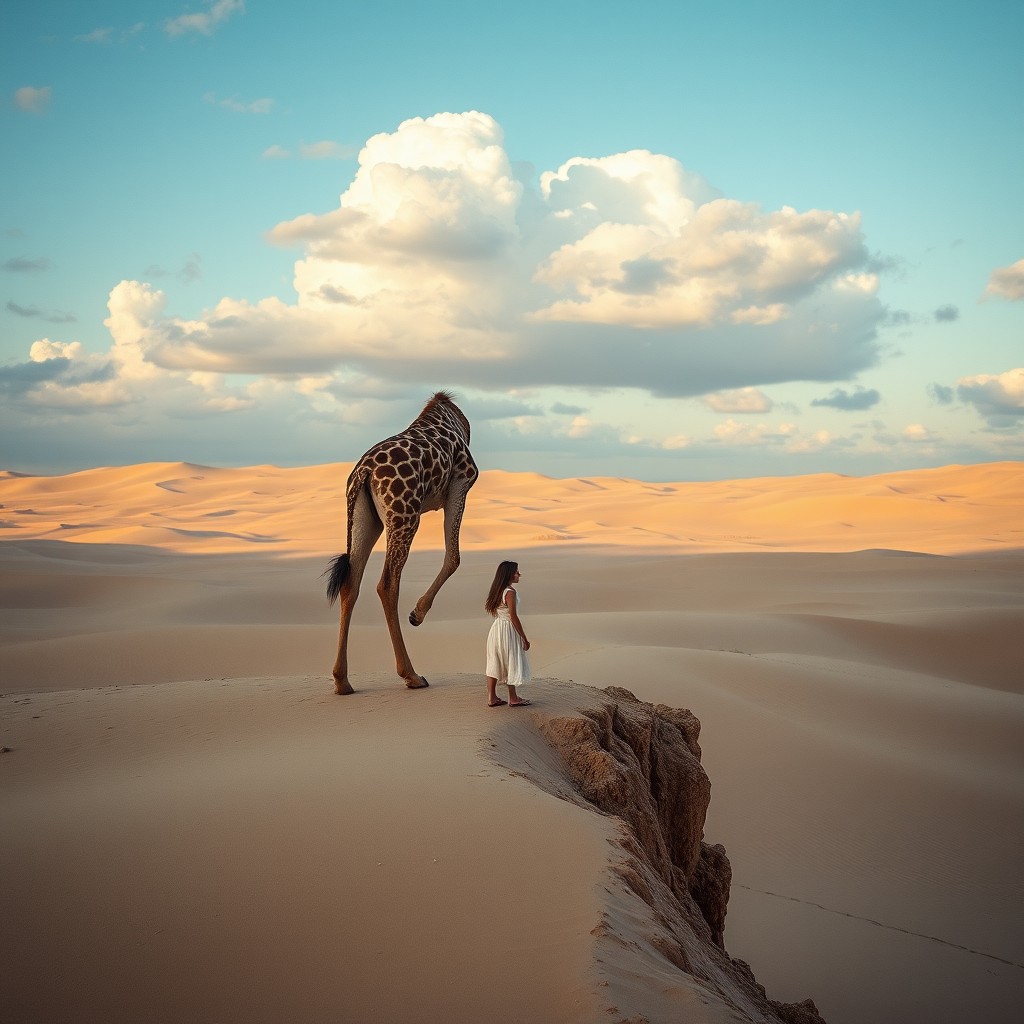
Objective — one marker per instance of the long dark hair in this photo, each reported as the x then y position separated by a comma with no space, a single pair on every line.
502,578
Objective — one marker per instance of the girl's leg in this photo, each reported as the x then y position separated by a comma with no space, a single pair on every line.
514,698
492,696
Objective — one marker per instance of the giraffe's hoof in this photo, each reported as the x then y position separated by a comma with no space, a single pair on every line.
343,686
414,619
419,684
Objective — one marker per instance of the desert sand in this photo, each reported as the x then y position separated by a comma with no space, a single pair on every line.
194,827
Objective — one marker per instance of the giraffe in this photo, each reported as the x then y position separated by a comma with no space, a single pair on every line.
428,466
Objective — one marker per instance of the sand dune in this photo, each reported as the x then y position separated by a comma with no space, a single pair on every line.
194,824
183,507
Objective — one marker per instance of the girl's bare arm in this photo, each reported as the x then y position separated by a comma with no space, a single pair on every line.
510,601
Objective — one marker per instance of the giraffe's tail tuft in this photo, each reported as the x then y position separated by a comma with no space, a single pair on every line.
336,573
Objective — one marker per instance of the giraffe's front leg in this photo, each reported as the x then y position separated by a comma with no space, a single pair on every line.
399,539
453,510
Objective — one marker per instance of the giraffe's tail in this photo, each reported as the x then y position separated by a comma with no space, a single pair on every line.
336,573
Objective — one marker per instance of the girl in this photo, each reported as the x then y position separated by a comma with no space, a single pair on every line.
506,642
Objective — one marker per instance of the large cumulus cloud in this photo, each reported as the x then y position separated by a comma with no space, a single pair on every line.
443,258
446,264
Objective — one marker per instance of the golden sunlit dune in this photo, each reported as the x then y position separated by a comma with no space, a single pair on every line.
185,507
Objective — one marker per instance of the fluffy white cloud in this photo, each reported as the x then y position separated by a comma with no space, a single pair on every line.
995,396
44,350
726,261
134,310
62,376
1006,282
438,189
625,270
66,377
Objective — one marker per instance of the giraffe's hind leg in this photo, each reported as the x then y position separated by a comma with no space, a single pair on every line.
365,530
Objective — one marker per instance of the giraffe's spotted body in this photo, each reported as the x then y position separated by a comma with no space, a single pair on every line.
410,473
426,467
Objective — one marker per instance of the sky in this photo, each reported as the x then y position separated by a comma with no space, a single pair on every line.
665,241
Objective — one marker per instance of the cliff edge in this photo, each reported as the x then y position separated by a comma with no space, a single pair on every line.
663,928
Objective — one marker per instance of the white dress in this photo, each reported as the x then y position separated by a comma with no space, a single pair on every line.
506,660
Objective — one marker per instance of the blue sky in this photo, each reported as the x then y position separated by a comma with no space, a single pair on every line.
666,241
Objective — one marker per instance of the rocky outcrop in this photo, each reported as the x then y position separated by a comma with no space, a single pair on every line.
641,764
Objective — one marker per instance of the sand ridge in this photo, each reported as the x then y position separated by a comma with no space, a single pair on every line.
182,506
241,850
